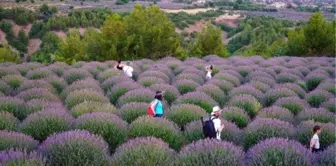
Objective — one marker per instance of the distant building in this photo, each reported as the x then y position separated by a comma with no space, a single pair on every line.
278,5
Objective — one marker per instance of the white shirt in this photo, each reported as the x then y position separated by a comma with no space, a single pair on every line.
128,70
317,141
208,75
217,123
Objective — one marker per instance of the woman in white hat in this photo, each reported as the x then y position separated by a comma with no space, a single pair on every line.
216,111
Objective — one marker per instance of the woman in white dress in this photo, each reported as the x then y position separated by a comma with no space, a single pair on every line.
209,72
128,70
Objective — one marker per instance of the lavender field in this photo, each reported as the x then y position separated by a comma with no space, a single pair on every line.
89,114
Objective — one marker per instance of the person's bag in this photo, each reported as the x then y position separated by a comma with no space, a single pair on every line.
150,110
209,130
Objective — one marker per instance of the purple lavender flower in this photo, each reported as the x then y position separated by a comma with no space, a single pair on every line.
143,151
156,74
326,157
148,81
313,80
294,87
293,104
197,98
21,157
108,74
35,105
328,85
287,77
247,102
109,83
8,121
37,93
247,89
29,84
131,111
317,97
7,71
11,139
188,76
78,143
58,83
4,88
14,81
136,95
259,74
79,96
330,105
265,80
74,74
206,152
228,77
92,106
278,150
12,105
277,113
214,92
185,113
224,85
273,95
317,114
81,84
185,86
39,73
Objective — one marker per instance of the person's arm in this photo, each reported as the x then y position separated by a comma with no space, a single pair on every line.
312,143
217,125
153,104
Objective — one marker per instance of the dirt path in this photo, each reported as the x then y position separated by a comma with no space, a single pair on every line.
2,37
189,11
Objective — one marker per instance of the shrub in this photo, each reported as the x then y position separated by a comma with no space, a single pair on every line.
4,88
294,87
246,102
88,84
313,80
328,86
74,74
15,140
286,78
13,105
256,74
109,126
143,152
224,85
316,114
303,70
136,95
36,105
243,70
156,74
330,105
273,95
44,123
317,97
327,157
7,71
185,113
37,93
278,150
8,121
214,92
263,128
57,69
30,84
131,111
14,81
157,127
58,83
120,89
79,96
304,133
170,92
109,74
210,152
197,98
293,104
277,113
92,106
269,81
38,73
236,115
193,132
22,69
21,157
109,83
84,147
234,73
249,90
260,86
228,77
186,86
148,81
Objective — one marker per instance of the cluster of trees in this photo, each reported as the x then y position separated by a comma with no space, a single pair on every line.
20,42
49,45
317,38
7,55
20,16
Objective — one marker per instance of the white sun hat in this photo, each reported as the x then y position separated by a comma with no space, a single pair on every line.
215,109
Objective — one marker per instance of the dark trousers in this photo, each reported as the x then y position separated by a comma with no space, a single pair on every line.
158,115
314,150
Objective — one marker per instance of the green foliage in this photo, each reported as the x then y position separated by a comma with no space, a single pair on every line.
7,55
20,16
209,41
8,121
297,43
72,49
49,45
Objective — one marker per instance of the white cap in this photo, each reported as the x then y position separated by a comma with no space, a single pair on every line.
215,109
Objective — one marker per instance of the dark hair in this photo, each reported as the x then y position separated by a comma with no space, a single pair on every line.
316,127
211,67
119,61
158,95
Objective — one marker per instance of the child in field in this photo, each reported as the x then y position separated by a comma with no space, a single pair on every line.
128,70
157,105
209,72
315,141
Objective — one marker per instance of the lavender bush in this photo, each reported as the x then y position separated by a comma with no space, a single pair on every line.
269,81
170,94
186,86
157,127
277,112
328,85
197,98
317,97
109,126
13,105
14,81
74,74
8,121
58,83
211,153
278,150
313,80
36,105
30,84
304,133
85,148
80,85
287,77
273,95
185,113
293,104
327,157
37,93
136,95
38,74
143,152
249,90
131,111
259,85
156,74
148,81
4,88
11,139
109,83
224,85
44,123
263,128
109,74
330,105
246,102
21,158
236,115
188,76
294,87
120,89
228,77
7,71
92,106
316,114
79,96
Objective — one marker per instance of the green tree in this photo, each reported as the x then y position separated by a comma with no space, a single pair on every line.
319,34
297,43
23,37
7,55
209,41
93,44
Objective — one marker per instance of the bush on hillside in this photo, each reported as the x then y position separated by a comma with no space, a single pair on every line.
79,96
92,106
246,102
197,98
15,140
185,113
316,114
8,121
21,157
277,112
